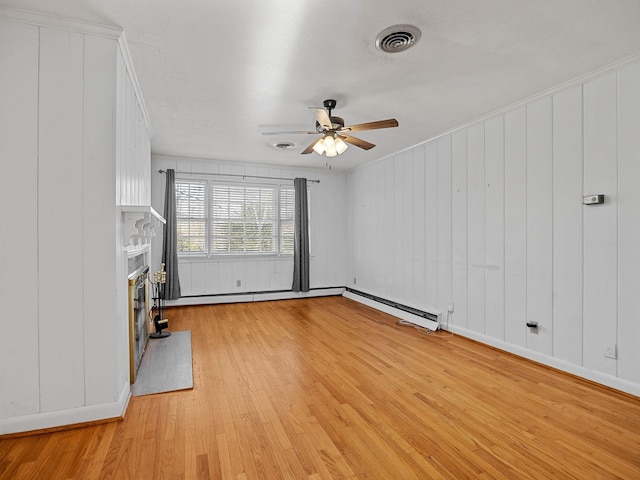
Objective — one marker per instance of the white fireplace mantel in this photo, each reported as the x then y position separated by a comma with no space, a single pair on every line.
140,223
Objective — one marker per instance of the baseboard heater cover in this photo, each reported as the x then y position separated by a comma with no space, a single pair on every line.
430,319
257,296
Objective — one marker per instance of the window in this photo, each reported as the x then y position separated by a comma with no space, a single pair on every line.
243,219
191,217
287,203
219,218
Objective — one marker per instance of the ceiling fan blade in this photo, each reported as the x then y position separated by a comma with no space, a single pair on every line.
322,117
358,142
309,149
301,132
391,122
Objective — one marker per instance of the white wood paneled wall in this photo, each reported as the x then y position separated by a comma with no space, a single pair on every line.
100,219
490,219
431,183
133,143
19,48
475,228
515,228
539,220
459,238
494,228
64,353
567,225
60,269
628,279
215,276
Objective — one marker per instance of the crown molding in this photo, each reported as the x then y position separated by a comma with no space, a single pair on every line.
106,31
549,92
41,20
126,56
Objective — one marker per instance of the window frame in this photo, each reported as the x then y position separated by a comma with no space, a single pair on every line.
208,254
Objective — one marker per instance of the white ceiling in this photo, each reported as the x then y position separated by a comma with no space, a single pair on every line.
216,73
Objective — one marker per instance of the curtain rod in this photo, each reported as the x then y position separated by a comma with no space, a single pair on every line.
237,175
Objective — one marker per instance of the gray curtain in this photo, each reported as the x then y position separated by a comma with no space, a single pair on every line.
170,239
301,237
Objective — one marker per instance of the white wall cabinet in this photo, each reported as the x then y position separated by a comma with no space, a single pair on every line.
76,148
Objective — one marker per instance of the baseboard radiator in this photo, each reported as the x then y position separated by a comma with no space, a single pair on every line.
430,319
242,297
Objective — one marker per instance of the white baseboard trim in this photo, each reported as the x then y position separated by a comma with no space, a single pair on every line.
409,317
577,370
253,297
71,416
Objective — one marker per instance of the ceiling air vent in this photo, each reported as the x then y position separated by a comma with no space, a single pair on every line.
283,145
397,38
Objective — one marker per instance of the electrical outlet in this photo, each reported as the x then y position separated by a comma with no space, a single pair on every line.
451,307
593,199
611,351
238,283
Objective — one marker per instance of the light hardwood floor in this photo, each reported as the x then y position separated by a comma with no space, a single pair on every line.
327,388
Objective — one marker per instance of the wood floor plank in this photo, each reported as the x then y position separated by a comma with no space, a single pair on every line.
327,388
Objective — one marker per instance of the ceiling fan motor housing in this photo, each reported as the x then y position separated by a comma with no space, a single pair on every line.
337,123
329,104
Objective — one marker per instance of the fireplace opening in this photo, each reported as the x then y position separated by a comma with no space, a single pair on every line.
138,316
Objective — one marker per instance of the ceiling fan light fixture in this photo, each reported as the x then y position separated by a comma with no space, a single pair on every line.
328,142
319,147
330,146
341,145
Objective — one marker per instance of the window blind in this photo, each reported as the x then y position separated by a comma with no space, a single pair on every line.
191,216
219,218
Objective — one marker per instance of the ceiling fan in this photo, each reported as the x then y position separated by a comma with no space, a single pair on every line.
335,135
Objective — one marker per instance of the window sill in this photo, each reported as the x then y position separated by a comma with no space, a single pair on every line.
233,258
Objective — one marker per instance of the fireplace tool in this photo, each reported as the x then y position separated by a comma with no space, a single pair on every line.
158,308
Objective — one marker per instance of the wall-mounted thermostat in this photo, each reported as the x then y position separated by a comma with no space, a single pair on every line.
593,199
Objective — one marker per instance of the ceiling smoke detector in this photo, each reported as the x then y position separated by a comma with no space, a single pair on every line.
397,38
283,145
